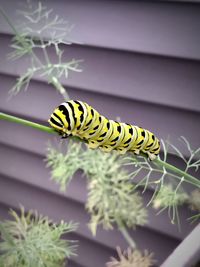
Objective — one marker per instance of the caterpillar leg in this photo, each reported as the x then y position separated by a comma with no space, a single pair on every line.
106,149
136,152
64,135
151,156
121,151
92,145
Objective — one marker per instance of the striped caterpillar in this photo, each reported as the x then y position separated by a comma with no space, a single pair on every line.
77,118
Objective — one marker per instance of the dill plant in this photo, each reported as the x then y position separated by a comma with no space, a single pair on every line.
63,161
168,190
131,258
34,240
30,40
112,189
111,197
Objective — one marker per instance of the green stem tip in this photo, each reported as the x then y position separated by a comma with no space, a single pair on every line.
128,238
181,174
7,117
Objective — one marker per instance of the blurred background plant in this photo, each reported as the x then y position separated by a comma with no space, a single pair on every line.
110,194
132,258
34,240
113,181
29,40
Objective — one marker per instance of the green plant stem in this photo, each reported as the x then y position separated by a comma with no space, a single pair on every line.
45,53
59,87
127,237
4,116
187,177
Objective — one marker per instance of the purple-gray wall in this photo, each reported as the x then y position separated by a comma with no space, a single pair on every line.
141,62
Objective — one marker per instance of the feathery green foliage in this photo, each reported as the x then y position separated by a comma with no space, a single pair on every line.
111,191
168,198
111,196
166,183
34,240
31,40
64,161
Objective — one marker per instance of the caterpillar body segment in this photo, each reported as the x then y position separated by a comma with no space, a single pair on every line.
103,135
80,119
111,141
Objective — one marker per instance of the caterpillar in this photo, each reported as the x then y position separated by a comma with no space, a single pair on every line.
77,118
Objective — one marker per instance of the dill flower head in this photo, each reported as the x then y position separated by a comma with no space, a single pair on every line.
111,196
132,258
168,197
194,200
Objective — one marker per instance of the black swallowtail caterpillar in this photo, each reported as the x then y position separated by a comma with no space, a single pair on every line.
77,118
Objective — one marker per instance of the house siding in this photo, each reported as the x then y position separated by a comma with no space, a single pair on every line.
142,63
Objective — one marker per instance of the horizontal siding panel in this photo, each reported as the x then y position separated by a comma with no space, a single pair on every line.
58,208
30,168
19,136
90,253
21,170
166,81
177,1
167,28
163,121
